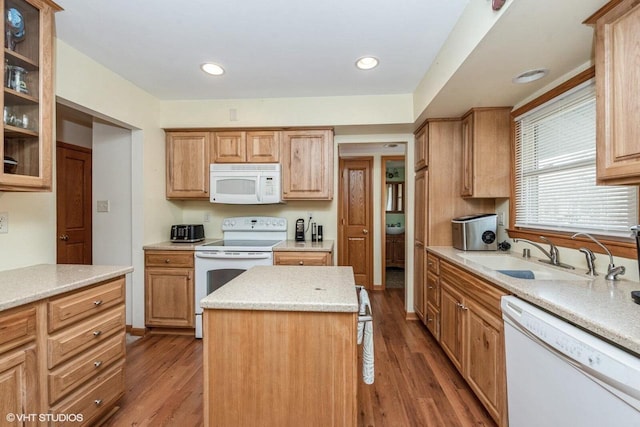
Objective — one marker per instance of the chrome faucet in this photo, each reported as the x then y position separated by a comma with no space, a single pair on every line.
552,254
591,268
612,271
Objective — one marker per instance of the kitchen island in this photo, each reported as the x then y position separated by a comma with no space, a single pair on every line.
280,348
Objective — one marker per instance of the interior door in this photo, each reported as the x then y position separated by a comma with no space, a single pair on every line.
73,200
356,218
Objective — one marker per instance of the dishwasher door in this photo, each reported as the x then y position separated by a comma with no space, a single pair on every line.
560,375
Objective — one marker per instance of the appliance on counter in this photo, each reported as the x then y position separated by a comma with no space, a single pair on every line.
300,230
560,375
245,183
246,242
475,232
187,233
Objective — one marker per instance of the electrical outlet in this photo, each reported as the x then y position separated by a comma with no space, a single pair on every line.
4,222
500,218
102,206
310,215
207,217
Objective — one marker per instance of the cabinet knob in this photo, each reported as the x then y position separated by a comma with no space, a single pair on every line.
97,333
97,363
301,262
167,261
429,287
98,402
97,302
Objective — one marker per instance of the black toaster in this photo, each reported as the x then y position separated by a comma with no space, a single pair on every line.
187,233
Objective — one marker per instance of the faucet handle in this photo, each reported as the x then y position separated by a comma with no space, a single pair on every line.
591,269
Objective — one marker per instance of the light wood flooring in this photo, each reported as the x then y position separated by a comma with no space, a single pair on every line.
415,384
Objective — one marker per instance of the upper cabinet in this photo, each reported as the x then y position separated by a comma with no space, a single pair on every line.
28,95
486,153
421,149
307,165
246,147
188,161
617,84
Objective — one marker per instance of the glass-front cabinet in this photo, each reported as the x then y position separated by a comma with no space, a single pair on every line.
27,100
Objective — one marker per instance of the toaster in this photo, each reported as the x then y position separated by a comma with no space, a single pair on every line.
187,233
475,232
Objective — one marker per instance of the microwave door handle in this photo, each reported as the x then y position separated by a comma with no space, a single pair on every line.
258,187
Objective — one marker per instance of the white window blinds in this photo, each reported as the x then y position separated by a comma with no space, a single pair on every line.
556,173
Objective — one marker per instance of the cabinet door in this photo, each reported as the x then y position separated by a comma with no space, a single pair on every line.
467,156
419,300
27,130
229,147
420,209
398,251
421,149
187,165
485,365
451,324
169,298
18,383
263,147
307,165
388,250
617,85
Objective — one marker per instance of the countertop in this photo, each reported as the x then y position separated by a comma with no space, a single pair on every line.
171,246
29,284
288,288
602,307
293,246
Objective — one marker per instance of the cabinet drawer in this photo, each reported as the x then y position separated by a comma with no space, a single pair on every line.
433,264
93,400
174,259
77,371
17,327
70,309
65,344
432,320
433,290
302,258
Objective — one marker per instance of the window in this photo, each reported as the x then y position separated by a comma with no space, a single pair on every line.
556,172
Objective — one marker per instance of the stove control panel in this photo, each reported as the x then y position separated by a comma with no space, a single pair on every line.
254,223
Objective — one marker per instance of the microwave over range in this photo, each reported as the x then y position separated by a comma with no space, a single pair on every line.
245,183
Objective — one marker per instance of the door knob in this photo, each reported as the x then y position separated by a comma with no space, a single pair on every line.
365,231
64,237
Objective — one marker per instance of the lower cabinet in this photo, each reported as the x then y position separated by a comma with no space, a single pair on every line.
472,335
433,307
169,290
394,250
419,296
309,258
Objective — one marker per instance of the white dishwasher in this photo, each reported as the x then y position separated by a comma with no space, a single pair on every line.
560,375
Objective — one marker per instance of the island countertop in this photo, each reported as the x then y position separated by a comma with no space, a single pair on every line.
288,288
24,285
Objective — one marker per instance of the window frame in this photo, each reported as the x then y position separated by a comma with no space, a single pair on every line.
619,246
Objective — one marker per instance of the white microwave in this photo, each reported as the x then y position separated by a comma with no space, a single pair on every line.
245,183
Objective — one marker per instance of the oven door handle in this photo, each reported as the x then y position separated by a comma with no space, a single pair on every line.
235,255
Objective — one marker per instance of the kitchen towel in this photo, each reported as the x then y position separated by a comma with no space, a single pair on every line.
365,337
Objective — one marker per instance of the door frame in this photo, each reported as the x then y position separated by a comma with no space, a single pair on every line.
383,211
341,196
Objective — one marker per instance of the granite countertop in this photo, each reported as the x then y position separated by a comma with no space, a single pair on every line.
29,284
171,246
293,246
288,288
602,307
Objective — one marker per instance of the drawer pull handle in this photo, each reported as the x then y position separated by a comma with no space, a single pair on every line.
96,333
167,261
98,402
97,363
301,262
429,287
97,302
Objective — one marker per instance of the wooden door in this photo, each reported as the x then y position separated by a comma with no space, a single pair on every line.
420,209
229,147
356,218
467,156
169,297
307,165
187,165
418,280
451,324
73,199
263,147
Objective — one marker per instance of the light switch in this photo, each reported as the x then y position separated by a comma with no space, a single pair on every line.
4,222
103,205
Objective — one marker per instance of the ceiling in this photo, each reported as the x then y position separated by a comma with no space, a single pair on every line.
279,48
285,48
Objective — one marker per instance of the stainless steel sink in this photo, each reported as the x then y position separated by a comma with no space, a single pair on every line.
514,267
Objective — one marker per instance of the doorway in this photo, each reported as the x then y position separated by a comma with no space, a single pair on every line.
355,218
393,199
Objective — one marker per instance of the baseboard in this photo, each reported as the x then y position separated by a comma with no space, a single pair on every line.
379,287
411,315
172,331
138,332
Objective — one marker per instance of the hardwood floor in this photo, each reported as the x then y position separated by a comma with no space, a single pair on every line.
415,384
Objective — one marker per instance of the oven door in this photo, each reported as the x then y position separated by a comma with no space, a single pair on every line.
214,269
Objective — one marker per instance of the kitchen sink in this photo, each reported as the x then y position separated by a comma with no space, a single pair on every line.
520,268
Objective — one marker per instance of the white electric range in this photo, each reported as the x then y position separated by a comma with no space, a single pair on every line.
247,242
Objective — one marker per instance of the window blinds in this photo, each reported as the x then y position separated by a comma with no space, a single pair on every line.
556,172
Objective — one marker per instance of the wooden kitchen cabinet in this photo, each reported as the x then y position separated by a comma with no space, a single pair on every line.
432,318
472,335
18,362
246,147
307,258
394,250
421,149
419,296
307,164
486,153
28,99
187,156
169,290
617,31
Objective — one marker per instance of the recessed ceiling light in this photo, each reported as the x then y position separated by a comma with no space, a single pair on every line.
213,69
367,62
530,76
